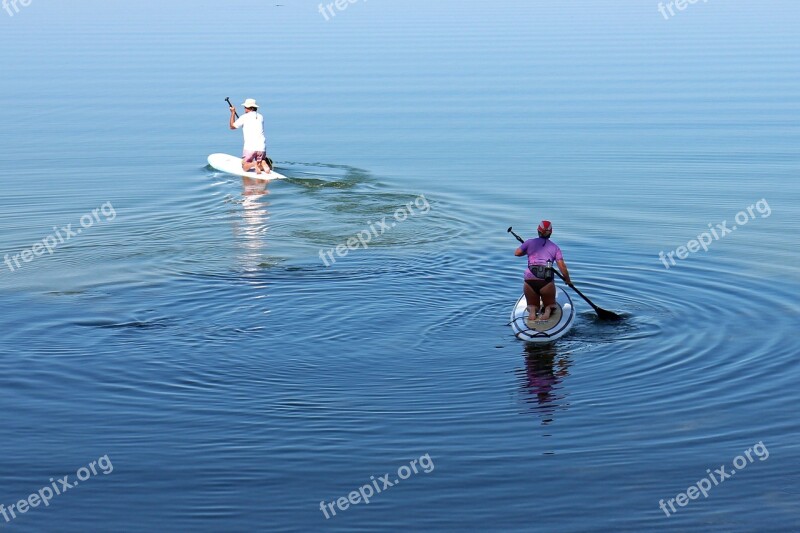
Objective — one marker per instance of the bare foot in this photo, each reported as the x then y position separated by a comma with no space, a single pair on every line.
545,316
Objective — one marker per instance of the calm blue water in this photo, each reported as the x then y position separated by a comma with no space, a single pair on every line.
193,335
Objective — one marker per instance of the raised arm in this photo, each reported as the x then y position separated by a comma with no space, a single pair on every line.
233,118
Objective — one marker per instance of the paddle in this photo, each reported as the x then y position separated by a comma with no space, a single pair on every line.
602,313
235,114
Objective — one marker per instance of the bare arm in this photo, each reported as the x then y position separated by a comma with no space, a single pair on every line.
233,118
518,252
562,266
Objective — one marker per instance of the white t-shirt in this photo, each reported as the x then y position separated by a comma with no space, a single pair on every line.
252,125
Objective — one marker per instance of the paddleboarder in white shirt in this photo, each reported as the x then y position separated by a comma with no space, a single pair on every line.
254,155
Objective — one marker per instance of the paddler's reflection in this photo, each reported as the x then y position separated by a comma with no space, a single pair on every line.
254,187
541,380
251,228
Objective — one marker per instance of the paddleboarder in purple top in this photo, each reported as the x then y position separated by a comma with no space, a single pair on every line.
540,287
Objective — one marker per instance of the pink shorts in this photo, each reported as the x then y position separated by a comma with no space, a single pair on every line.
250,157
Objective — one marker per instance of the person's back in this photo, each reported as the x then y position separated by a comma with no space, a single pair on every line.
252,125
541,250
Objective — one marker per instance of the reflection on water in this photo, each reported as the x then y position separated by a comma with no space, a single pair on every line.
254,187
251,228
540,381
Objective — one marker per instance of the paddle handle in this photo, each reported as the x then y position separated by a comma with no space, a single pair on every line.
228,99
520,239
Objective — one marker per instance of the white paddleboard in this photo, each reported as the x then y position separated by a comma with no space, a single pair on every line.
543,332
233,165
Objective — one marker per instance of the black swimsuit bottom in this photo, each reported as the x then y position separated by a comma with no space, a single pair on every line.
538,284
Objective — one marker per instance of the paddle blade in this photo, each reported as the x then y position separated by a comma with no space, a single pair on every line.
607,315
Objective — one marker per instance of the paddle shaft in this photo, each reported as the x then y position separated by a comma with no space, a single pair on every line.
228,99
599,310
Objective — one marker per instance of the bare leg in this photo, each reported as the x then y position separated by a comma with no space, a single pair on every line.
532,297
548,293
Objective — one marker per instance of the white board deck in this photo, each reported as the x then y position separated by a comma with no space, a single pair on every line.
233,165
551,330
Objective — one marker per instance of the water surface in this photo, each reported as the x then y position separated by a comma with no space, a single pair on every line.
197,338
